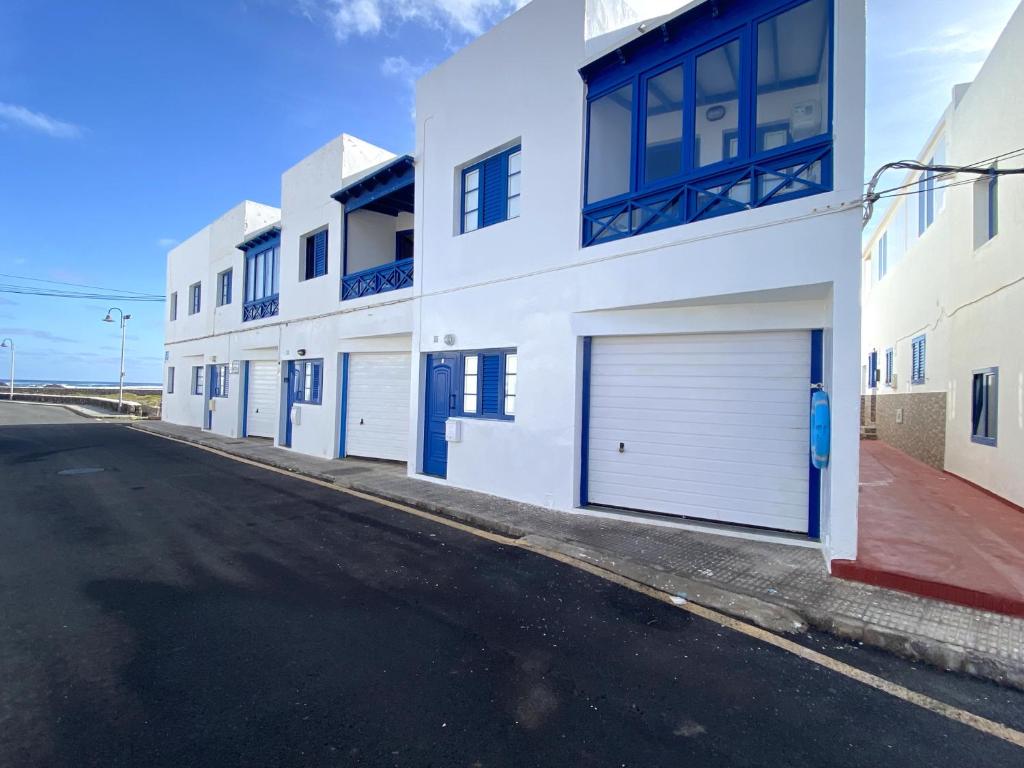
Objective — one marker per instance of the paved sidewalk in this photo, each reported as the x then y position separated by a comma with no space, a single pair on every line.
783,588
928,532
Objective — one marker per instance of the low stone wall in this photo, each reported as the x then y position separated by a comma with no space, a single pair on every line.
133,409
922,431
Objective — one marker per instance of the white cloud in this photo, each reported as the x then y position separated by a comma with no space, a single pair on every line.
14,114
465,17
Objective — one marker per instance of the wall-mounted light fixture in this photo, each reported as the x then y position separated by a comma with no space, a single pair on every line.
301,352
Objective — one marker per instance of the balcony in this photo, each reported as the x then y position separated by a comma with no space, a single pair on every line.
379,279
259,309
377,251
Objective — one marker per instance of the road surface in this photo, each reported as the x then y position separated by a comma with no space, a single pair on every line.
164,606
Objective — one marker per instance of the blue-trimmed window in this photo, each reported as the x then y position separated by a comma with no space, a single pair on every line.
931,194
491,190
262,265
174,306
195,298
889,359
170,380
224,288
308,381
315,250
197,379
219,380
917,360
488,384
727,110
985,406
872,370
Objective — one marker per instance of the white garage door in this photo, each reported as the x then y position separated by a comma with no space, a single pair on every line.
378,406
710,426
263,398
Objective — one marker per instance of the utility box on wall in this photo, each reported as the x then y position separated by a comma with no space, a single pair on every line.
453,431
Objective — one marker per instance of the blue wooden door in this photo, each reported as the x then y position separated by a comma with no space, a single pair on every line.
440,398
291,383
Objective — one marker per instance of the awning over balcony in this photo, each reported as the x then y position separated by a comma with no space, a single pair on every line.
388,190
259,237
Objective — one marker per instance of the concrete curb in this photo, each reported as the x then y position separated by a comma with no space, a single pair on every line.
781,617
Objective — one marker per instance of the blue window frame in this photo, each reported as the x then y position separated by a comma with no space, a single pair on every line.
197,379
491,190
262,267
224,288
720,110
170,380
174,306
985,406
219,380
308,385
889,359
315,247
917,360
488,384
872,370
195,296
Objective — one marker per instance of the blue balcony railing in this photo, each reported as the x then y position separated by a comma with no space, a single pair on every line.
260,308
369,282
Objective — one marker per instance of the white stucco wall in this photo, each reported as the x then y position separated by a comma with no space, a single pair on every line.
968,301
527,283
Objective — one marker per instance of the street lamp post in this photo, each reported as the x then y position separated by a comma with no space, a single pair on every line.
10,343
120,382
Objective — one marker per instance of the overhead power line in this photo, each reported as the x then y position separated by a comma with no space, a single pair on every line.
981,168
99,292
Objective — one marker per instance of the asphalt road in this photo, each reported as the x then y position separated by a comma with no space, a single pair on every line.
182,609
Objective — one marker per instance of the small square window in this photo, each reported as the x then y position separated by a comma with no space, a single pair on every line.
315,248
307,386
917,360
174,306
491,190
197,379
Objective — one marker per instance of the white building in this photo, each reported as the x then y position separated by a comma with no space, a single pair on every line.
636,253
258,331
944,290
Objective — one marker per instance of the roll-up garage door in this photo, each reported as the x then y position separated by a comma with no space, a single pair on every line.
377,410
264,394
708,426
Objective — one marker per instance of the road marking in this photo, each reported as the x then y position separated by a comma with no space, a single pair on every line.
989,727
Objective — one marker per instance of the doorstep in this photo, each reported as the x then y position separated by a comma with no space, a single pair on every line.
777,586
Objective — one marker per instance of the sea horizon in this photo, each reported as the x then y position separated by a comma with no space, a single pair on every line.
73,384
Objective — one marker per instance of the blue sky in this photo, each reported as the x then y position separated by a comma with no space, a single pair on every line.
126,126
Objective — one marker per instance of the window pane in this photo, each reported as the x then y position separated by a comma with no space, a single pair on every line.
609,144
664,151
273,270
510,405
717,117
515,162
469,404
472,180
513,184
472,201
470,384
260,269
511,363
792,76
513,207
469,222
472,365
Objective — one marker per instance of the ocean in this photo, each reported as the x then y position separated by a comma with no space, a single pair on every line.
79,384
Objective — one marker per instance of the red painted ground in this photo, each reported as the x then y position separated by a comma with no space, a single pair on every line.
927,532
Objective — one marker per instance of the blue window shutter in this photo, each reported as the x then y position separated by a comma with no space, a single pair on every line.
872,370
320,253
490,384
314,391
495,189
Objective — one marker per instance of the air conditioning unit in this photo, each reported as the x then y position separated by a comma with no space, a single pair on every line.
805,120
